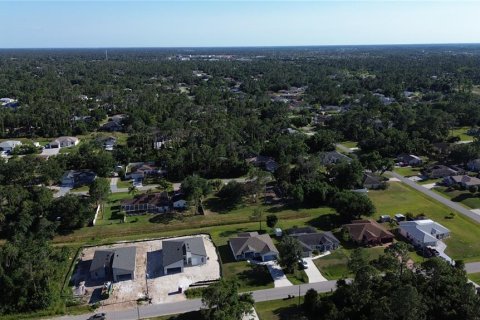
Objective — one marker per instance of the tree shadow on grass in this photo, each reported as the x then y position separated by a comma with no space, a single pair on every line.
220,205
165,218
288,313
257,275
327,222
463,196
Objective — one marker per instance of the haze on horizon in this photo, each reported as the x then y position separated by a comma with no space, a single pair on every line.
72,24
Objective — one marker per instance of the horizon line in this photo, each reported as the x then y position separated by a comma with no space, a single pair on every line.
247,46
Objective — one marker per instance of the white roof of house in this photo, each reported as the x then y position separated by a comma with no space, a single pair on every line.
423,230
10,144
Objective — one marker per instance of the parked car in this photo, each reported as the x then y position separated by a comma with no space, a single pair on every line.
303,264
98,316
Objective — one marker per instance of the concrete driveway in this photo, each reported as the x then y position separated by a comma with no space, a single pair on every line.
312,272
279,278
441,246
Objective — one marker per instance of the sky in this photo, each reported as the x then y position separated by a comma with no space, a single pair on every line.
75,24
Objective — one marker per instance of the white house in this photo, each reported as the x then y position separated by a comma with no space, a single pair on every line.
423,233
180,253
9,145
63,142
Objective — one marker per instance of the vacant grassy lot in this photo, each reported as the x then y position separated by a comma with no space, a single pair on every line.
462,133
334,266
399,198
407,171
279,309
350,144
475,277
464,197
124,183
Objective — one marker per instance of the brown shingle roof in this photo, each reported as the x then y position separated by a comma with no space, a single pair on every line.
367,230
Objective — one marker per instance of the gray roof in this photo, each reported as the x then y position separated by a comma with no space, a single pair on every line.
467,180
302,230
172,250
310,240
259,243
101,259
125,258
333,157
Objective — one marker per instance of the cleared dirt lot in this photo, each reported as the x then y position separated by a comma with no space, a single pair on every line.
149,278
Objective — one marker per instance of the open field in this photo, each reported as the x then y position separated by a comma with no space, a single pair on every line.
399,198
407,171
462,133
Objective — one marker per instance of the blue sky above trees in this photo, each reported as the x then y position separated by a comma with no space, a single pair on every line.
235,23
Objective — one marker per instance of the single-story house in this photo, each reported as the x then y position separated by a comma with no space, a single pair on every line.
409,160
77,178
181,253
124,262
368,232
462,180
9,145
63,142
311,240
147,203
251,245
423,233
112,126
372,181
101,267
333,157
139,170
440,171
117,264
267,163
108,143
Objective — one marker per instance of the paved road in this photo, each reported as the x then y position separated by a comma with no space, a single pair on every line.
472,267
439,198
156,310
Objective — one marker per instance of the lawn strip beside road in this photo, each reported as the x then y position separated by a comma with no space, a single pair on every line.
411,197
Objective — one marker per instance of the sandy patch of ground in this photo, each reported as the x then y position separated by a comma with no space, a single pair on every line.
149,279
164,288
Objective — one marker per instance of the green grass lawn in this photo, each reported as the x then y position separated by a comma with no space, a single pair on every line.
462,133
350,144
250,277
80,189
475,277
399,198
407,171
298,277
124,183
428,181
279,309
334,266
464,197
